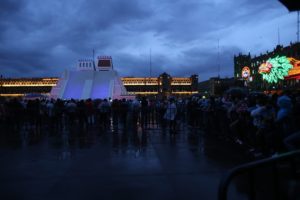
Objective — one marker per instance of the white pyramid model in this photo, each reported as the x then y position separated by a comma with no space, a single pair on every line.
90,80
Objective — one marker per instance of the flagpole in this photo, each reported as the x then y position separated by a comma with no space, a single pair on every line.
298,22
94,60
150,63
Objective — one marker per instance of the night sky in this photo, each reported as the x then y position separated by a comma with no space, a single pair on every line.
46,37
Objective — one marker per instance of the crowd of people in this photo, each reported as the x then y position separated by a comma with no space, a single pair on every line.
19,114
264,123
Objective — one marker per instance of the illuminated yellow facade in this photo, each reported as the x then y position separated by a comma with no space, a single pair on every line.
139,81
29,82
164,84
155,81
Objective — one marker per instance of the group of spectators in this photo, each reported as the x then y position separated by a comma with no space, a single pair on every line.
263,123
19,114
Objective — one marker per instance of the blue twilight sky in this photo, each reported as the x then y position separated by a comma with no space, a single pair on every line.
43,38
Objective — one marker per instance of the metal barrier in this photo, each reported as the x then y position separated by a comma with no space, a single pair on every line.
250,168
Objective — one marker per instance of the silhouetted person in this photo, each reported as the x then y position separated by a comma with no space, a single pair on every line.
115,110
170,115
123,112
104,109
144,112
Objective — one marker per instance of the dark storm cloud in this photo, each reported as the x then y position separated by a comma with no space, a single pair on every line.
8,11
140,65
9,8
33,33
208,62
42,38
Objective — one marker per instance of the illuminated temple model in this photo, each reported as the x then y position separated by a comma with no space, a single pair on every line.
90,81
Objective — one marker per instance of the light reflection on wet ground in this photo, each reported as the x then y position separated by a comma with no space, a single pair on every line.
119,163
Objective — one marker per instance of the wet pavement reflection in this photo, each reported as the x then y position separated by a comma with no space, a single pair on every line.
114,162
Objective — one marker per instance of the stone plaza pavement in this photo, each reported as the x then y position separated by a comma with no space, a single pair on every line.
119,164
